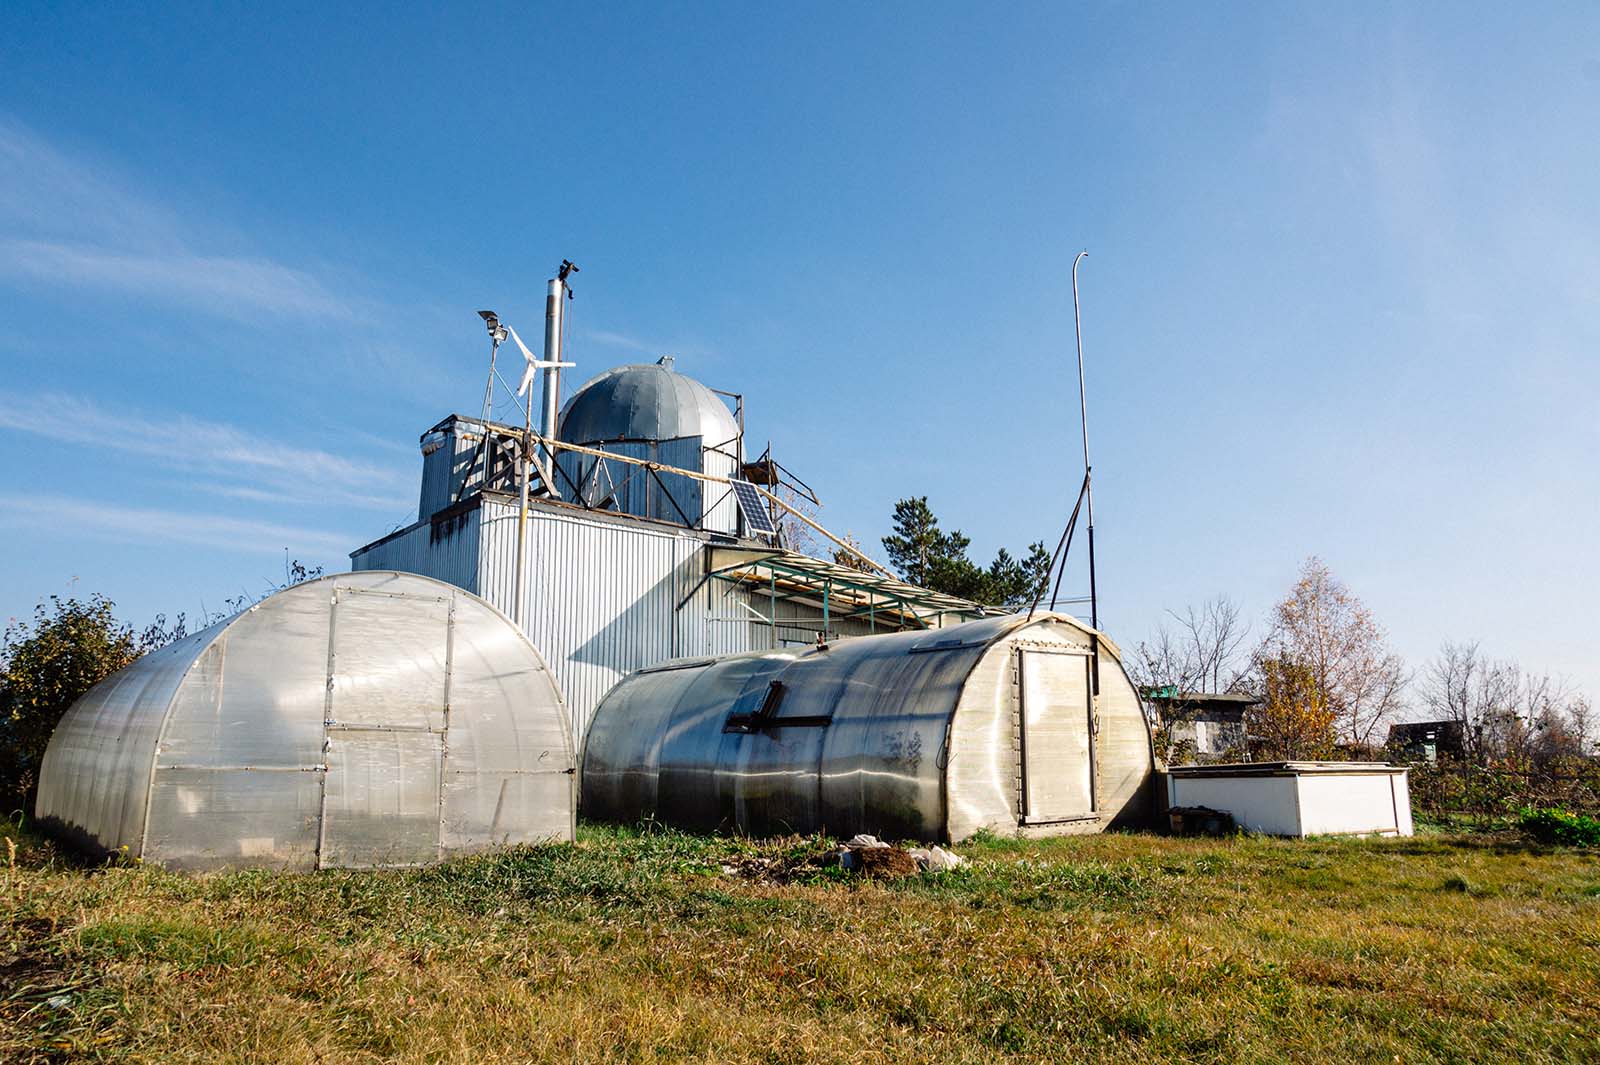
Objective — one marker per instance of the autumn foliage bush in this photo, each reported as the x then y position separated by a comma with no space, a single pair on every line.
46,663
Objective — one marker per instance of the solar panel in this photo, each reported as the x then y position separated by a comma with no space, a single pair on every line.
754,509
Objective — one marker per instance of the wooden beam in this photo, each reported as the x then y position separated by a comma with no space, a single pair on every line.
659,467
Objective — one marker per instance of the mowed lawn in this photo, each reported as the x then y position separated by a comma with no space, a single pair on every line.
643,947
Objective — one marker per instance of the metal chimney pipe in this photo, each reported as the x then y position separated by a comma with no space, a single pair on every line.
554,307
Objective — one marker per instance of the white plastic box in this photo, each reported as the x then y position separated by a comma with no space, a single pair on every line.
1300,798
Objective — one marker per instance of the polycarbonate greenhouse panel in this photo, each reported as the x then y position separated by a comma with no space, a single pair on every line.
95,777
256,816
383,802
390,660
369,719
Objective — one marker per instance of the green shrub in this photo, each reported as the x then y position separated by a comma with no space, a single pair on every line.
44,666
1552,825
1451,790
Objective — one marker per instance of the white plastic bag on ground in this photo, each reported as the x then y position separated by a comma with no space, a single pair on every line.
936,859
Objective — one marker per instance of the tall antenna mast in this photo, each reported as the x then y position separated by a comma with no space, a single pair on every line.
1083,412
1085,492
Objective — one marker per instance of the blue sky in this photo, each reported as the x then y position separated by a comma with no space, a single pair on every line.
1342,296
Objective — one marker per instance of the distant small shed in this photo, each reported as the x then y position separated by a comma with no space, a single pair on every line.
359,720
1427,740
1213,723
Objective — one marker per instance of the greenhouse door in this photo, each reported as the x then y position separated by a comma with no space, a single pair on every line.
382,798
382,805
1056,736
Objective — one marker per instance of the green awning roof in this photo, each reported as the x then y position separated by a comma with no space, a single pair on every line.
794,577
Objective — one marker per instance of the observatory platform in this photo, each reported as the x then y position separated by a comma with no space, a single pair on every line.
639,549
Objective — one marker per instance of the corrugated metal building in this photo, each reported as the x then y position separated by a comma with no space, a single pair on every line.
632,566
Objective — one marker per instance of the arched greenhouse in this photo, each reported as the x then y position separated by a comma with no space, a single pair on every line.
1011,725
359,720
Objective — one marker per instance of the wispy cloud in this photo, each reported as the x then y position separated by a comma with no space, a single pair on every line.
226,287
246,465
341,498
105,521
621,340
44,190
1411,189
72,221
1482,240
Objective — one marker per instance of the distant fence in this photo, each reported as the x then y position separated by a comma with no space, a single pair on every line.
1450,787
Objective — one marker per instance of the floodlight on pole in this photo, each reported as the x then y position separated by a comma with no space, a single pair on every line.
497,336
497,329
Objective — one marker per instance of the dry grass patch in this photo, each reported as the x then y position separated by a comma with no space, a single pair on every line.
640,947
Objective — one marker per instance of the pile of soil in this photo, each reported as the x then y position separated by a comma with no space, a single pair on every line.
887,863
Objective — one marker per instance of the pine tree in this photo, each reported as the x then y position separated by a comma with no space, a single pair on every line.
926,555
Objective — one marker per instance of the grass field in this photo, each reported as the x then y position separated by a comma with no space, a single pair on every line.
641,947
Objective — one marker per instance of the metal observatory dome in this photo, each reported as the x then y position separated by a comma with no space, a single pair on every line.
648,401
652,412
930,735
359,720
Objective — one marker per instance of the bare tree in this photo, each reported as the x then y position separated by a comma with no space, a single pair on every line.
1322,628
793,533
1585,725
1543,730
853,558
1199,653
1504,711
1213,635
1463,686
1159,662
